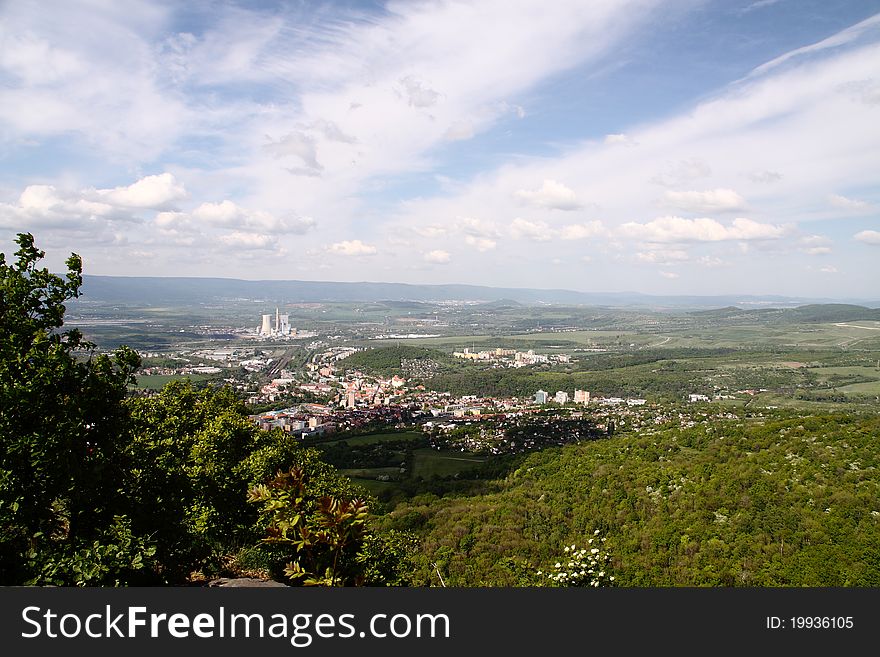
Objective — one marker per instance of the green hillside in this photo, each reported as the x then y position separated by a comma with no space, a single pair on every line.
781,502
387,361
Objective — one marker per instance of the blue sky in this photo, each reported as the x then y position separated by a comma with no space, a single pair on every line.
675,147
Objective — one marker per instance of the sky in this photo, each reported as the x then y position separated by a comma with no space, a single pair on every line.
664,147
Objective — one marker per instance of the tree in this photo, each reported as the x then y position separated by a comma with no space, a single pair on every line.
61,413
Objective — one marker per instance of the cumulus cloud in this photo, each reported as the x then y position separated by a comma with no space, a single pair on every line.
228,214
248,241
45,206
709,261
850,204
155,192
537,231
481,244
475,227
868,237
678,229
829,269
172,220
815,245
582,231
437,257
225,213
668,274
551,194
91,211
662,257
352,248
714,200
431,231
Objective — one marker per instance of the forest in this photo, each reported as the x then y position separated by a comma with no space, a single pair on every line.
783,500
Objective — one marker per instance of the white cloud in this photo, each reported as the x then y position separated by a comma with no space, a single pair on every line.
417,93
481,244
460,130
155,192
437,257
759,4
582,231
248,241
868,237
677,229
551,194
850,204
815,245
431,232
682,171
172,220
300,145
475,227
618,138
764,177
46,207
710,261
668,274
352,248
228,214
663,257
715,200
537,231
841,38
829,270
225,213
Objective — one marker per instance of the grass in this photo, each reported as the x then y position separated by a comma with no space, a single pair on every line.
429,462
371,438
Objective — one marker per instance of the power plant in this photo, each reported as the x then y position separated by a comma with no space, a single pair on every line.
280,327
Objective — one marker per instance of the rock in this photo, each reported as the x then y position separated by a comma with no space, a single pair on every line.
244,582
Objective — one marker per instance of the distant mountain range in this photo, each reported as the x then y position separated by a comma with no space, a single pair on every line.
180,291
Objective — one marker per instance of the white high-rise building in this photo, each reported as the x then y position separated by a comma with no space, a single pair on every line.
540,397
284,328
561,397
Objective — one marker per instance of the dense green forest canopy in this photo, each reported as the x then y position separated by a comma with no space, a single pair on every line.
387,361
773,501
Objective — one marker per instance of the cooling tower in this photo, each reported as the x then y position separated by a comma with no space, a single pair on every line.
266,328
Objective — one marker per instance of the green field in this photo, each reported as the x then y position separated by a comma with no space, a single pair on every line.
429,462
426,463
371,438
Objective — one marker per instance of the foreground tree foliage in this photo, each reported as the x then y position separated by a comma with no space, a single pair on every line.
100,489
325,540
61,406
